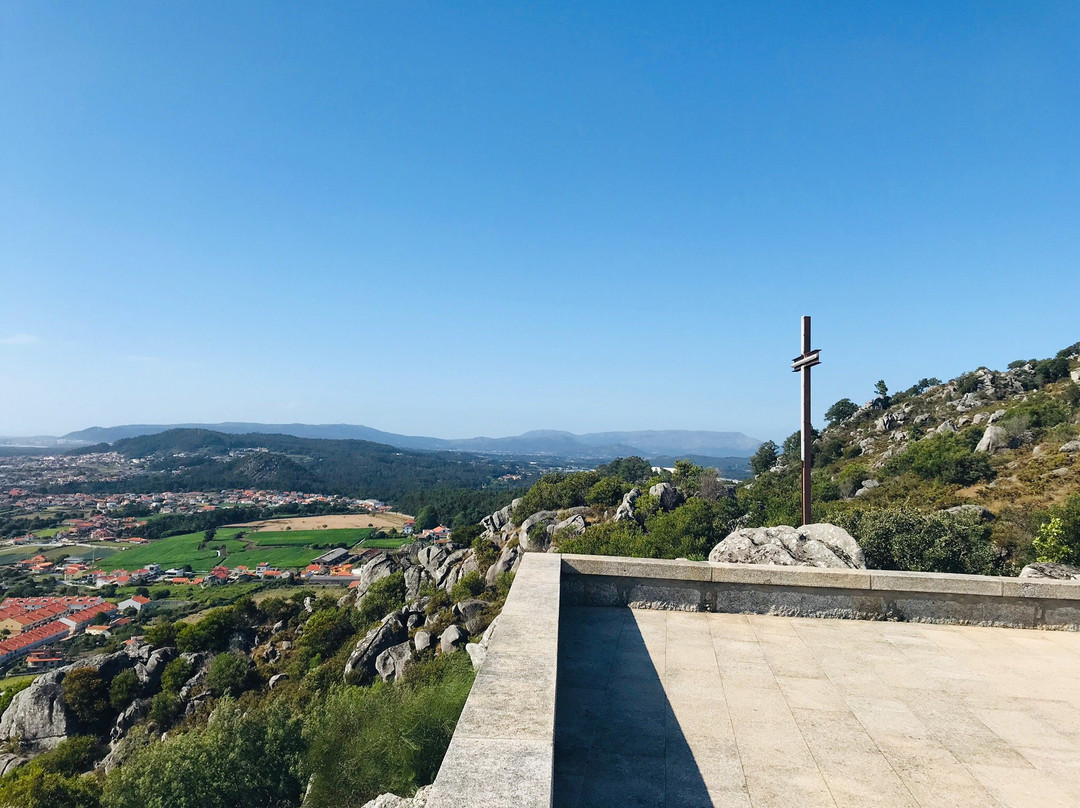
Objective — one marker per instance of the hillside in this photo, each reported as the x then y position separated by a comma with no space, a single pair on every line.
537,443
198,459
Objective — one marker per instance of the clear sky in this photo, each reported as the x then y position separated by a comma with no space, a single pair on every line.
482,218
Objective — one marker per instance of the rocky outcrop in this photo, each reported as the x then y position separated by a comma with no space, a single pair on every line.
417,800
979,512
390,632
626,507
667,494
392,662
1071,447
452,639
535,541
509,559
423,640
817,545
37,716
572,526
1057,572
471,613
994,439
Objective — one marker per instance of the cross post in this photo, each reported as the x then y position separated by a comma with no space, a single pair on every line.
802,363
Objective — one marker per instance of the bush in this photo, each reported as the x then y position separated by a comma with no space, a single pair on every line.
841,411
485,552
164,708
384,596
632,470
607,492
37,788
229,674
85,694
967,383
947,458
389,737
161,633
176,674
1040,412
471,585
70,757
907,539
123,689
251,758
1058,539
211,633
325,631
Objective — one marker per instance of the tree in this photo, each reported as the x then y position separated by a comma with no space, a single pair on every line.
764,458
1049,544
123,689
841,411
427,519
176,674
85,694
881,389
607,492
229,674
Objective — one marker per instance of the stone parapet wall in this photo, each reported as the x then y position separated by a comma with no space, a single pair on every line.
502,752
814,592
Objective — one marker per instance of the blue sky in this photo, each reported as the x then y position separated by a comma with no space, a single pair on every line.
482,218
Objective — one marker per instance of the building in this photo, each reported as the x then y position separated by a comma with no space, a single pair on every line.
138,602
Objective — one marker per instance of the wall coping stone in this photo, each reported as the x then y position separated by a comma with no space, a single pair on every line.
499,731
892,581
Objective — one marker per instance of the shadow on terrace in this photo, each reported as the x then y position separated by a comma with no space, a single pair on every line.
618,738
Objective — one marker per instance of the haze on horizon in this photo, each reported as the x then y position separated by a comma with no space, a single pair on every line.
478,219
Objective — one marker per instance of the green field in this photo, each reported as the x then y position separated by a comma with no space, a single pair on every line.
9,555
175,551
49,532
286,549
282,557
310,538
386,544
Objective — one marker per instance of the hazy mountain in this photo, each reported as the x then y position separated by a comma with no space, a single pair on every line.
553,443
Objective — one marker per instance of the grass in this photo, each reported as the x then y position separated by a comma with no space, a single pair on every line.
49,532
385,544
281,557
309,538
210,595
9,555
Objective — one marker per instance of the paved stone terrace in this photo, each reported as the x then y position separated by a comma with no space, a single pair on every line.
662,708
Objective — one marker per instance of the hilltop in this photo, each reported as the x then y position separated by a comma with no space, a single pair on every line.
718,447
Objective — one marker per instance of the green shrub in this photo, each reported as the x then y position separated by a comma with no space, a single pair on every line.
947,458
906,539
325,631
1040,411
36,788
607,492
241,758
384,596
229,674
86,694
70,757
212,633
389,737
471,585
485,552
176,674
123,689
967,383
164,708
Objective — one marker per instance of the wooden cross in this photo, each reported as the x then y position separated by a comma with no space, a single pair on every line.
803,363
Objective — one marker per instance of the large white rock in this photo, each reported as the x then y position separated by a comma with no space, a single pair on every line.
817,545
994,439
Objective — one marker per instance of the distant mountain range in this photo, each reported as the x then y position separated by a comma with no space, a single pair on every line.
550,443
